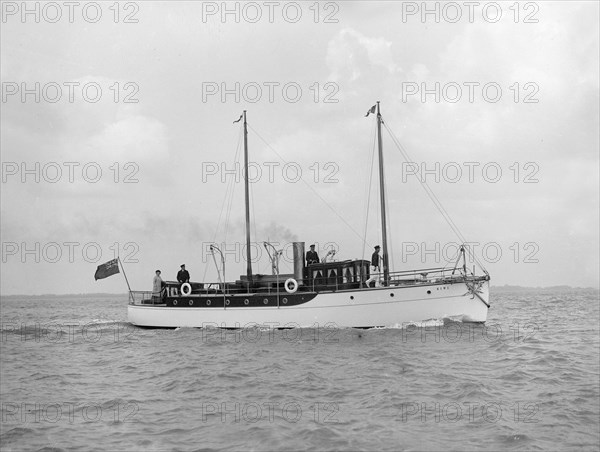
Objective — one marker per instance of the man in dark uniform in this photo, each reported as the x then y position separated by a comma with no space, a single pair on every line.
375,258
375,267
312,257
182,275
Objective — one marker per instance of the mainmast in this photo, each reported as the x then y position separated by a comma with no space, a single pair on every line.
247,202
386,270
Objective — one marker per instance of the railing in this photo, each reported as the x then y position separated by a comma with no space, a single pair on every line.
425,275
407,277
172,289
144,297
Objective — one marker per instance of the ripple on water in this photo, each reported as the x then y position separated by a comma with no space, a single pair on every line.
535,360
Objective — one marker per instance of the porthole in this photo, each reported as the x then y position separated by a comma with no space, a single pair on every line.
266,301
391,295
207,302
191,302
352,297
284,301
428,292
227,302
174,302
246,302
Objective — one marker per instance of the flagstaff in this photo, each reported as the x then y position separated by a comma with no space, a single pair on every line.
125,276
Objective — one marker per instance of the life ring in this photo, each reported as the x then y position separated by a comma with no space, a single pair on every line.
294,284
185,292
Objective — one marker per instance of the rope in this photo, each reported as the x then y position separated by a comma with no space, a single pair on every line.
437,203
254,223
390,255
228,199
308,185
232,184
368,190
435,200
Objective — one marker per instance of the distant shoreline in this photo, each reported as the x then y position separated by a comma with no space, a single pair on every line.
68,295
562,288
494,289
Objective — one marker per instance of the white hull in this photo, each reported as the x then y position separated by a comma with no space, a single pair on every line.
375,307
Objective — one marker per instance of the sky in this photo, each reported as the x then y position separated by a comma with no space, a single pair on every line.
118,137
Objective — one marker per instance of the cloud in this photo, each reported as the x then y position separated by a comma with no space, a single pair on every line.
350,54
131,137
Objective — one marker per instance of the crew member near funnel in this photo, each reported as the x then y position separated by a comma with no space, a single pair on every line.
375,267
311,256
183,275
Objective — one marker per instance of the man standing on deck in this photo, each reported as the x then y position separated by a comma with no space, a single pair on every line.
312,257
182,275
375,267
157,286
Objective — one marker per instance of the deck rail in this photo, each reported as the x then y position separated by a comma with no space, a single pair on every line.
144,297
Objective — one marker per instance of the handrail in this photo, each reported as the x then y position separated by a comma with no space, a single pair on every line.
432,276
219,289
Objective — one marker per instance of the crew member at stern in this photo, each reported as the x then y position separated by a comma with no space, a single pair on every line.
183,275
157,286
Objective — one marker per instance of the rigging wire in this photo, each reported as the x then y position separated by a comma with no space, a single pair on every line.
308,185
228,211
233,184
254,223
227,199
388,223
435,199
437,203
368,190
390,256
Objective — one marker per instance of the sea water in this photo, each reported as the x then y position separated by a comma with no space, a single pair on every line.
76,376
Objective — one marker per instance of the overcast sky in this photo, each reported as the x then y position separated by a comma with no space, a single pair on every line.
499,106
